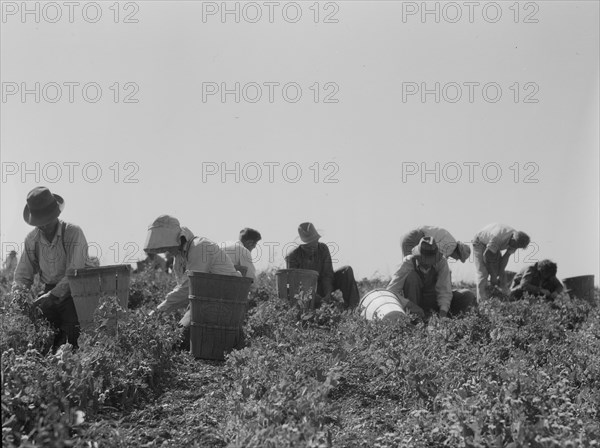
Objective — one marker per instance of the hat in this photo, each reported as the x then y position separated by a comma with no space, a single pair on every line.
42,207
308,233
464,251
13,252
427,251
163,232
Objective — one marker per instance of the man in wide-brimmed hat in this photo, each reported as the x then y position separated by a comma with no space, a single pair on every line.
52,248
424,285
448,246
190,253
488,245
313,255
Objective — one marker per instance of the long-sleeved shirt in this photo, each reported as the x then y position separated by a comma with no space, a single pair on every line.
494,237
240,256
529,279
444,240
201,255
53,259
443,284
319,261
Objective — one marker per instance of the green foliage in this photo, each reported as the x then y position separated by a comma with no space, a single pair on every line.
45,397
512,374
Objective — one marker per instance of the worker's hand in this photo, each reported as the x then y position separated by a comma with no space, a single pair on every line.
415,309
554,295
443,314
544,292
46,301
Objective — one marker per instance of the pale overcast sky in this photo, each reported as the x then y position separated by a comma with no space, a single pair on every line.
512,138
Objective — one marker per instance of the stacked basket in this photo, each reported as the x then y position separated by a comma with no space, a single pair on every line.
218,308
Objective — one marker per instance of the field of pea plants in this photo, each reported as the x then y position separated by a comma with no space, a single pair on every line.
520,374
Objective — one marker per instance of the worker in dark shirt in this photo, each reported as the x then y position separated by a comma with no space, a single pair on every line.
537,279
316,256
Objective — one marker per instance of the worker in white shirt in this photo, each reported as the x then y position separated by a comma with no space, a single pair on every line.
488,245
240,251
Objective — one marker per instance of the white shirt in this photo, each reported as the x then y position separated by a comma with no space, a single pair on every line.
444,240
494,237
240,257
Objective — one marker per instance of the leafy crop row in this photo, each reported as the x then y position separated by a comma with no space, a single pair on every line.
507,374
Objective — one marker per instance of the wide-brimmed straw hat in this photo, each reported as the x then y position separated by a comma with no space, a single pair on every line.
427,251
42,207
308,233
162,233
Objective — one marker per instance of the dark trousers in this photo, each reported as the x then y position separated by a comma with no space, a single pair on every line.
63,317
420,289
343,279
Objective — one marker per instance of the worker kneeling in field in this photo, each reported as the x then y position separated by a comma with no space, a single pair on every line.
316,256
537,279
52,248
190,253
446,243
424,285
488,245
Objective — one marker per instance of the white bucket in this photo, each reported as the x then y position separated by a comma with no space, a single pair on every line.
381,304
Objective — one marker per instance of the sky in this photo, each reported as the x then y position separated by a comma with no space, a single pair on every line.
366,118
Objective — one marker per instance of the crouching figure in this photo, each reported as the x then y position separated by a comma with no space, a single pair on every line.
190,253
537,279
424,285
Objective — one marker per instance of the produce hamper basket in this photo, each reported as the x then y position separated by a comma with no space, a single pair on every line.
290,281
88,284
218,309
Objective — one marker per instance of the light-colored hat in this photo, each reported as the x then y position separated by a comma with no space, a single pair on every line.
464,251
427,251
308,233
163,232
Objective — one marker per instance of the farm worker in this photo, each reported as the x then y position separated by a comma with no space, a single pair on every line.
10,264
446,243
190,253
424,285
537,279
51,249
316,256
240,251
488,244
